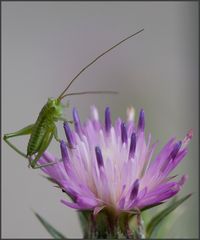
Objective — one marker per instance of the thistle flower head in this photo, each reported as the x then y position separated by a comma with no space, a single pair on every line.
107,165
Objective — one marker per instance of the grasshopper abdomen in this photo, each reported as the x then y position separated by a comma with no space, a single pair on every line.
44,125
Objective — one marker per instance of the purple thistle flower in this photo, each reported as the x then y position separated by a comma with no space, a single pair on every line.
112,166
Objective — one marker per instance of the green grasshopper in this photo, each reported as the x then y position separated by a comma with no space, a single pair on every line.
44,129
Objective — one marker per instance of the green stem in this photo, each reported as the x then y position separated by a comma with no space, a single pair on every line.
140,227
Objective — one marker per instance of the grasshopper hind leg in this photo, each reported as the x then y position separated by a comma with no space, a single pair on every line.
24,131
45,165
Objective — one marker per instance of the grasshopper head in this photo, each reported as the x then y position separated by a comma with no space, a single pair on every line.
55,107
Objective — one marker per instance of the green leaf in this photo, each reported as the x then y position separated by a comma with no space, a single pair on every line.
151,206
160,216
164,226
51,230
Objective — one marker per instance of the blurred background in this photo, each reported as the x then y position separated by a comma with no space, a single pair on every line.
44,44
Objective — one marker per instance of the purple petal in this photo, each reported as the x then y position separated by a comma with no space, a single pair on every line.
108,122
87,202
172,156
132,145
140,196
141,120
68,134
118,127
65,155
72,205
161,157
55,171
122,202
175,150
173,163
157,198
123,133
71,192
99,156
135,189
160,189
77,122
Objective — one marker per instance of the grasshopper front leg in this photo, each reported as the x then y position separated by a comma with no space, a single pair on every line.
59,140
24,131
65,120
55,134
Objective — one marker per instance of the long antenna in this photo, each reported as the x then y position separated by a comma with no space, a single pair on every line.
89,92
123,40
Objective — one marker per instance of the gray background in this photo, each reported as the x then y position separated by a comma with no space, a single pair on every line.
45,43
